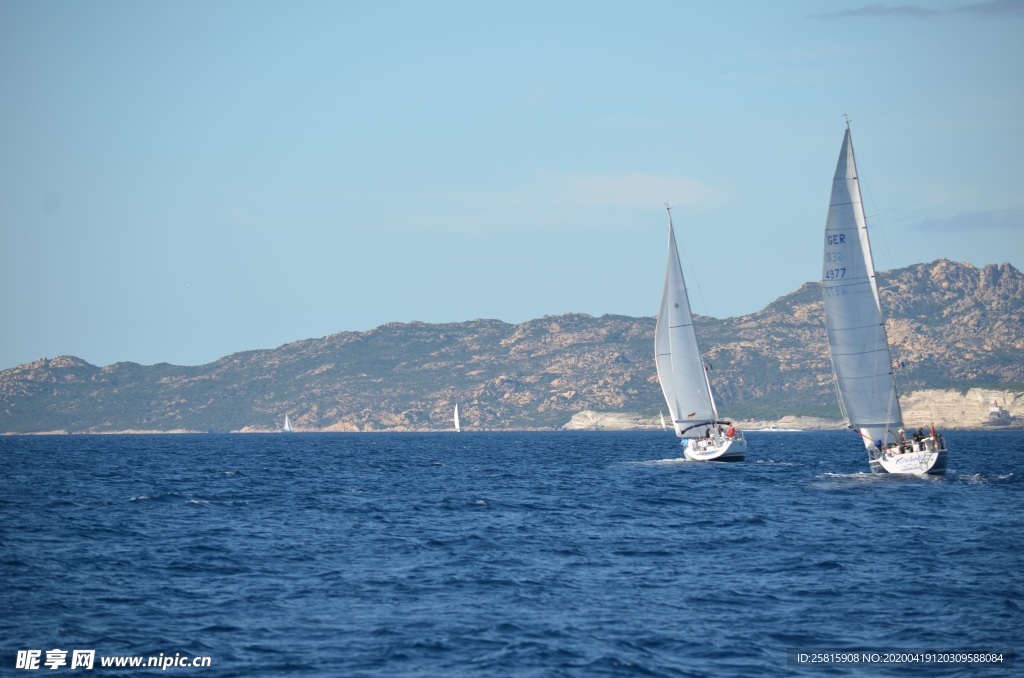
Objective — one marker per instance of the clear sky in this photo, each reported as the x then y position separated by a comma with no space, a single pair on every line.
184,180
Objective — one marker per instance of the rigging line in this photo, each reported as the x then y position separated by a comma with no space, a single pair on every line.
896,368
696,284
868,377
851,328
869,352
854,282
877,227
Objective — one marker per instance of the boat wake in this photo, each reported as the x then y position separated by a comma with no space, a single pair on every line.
864,477
982,478
672,461
859,475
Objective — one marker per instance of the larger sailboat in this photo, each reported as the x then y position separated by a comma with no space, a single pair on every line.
861,361
683,375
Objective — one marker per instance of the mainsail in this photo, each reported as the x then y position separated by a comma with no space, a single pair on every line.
681,370
853,312
456,418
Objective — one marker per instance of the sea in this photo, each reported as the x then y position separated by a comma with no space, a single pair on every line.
505,554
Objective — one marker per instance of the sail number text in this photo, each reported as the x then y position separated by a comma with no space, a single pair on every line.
835,273
833,256
838,239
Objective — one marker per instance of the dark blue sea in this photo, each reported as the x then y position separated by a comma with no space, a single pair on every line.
503,554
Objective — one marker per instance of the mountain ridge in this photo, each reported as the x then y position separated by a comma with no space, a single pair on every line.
954,325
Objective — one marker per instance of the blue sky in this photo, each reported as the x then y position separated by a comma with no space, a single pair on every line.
181,181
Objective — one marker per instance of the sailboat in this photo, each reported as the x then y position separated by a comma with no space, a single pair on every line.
287,428
683,375
457,426
861,362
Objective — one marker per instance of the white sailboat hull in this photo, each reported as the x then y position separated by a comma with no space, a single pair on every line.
918,459
729,449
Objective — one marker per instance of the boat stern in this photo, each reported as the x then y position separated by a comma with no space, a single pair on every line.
917,462
729,449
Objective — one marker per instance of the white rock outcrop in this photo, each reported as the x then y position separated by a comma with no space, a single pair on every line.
947,409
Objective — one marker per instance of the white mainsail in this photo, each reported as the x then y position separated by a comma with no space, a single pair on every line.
457,427
287,424
853,312
681,370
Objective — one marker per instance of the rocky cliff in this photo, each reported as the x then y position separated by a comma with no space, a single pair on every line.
952,325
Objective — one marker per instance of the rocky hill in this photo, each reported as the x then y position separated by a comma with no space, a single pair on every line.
953,325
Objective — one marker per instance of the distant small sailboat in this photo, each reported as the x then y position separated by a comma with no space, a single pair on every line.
857,341
456,418
664,426
683,375
287,428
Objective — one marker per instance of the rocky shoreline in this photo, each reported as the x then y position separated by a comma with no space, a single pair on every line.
629,421
946,409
